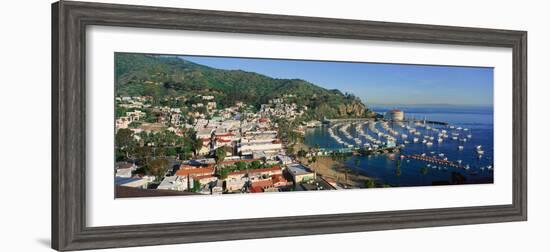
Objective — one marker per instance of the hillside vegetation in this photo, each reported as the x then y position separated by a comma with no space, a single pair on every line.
170,76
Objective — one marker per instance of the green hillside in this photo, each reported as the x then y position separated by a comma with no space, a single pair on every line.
165,76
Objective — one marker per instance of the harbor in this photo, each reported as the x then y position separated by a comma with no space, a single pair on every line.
412,152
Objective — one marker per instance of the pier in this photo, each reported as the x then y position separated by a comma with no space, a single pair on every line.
333,121
434,160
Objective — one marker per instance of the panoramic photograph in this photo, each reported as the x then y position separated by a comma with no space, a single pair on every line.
205,125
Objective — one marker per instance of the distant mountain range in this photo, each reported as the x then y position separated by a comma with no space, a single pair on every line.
162,76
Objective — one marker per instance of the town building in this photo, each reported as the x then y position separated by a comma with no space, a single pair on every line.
200,171
300,173
175,183
395,115
140,183
235,184
125,170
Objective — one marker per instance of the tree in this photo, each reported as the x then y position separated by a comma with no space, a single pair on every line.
219,155
195,142
302,153
171,152
255,164
241,166
370,183
124,140
290,149
144,154
160,152
196,185
157,168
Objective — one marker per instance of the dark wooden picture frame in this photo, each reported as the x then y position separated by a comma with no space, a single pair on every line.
69,22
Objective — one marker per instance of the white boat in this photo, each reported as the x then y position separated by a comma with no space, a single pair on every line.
460,147
440,140
469,136
415,139
429,144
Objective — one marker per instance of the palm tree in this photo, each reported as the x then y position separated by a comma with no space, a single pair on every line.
219,155
311,161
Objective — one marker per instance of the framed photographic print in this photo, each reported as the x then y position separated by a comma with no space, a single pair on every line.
178,125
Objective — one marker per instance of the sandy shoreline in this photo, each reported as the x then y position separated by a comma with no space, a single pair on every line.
332,169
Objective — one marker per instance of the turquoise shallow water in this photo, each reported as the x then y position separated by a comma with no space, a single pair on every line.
392,170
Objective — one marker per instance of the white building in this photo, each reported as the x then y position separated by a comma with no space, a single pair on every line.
125,170
248,149
136,115
300,173
395,115
235,184
175,183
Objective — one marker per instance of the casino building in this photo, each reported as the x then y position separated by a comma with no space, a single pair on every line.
395,115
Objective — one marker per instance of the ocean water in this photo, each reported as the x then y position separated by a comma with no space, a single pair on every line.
392,170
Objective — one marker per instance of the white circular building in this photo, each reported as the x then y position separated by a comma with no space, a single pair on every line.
395,115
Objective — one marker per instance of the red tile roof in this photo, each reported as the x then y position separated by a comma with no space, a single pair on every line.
256,190
224,134
187,167
195,172
262,183
204,177
278,178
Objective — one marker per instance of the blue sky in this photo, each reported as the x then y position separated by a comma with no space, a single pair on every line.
376,83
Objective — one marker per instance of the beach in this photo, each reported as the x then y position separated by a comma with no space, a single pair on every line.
334,170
